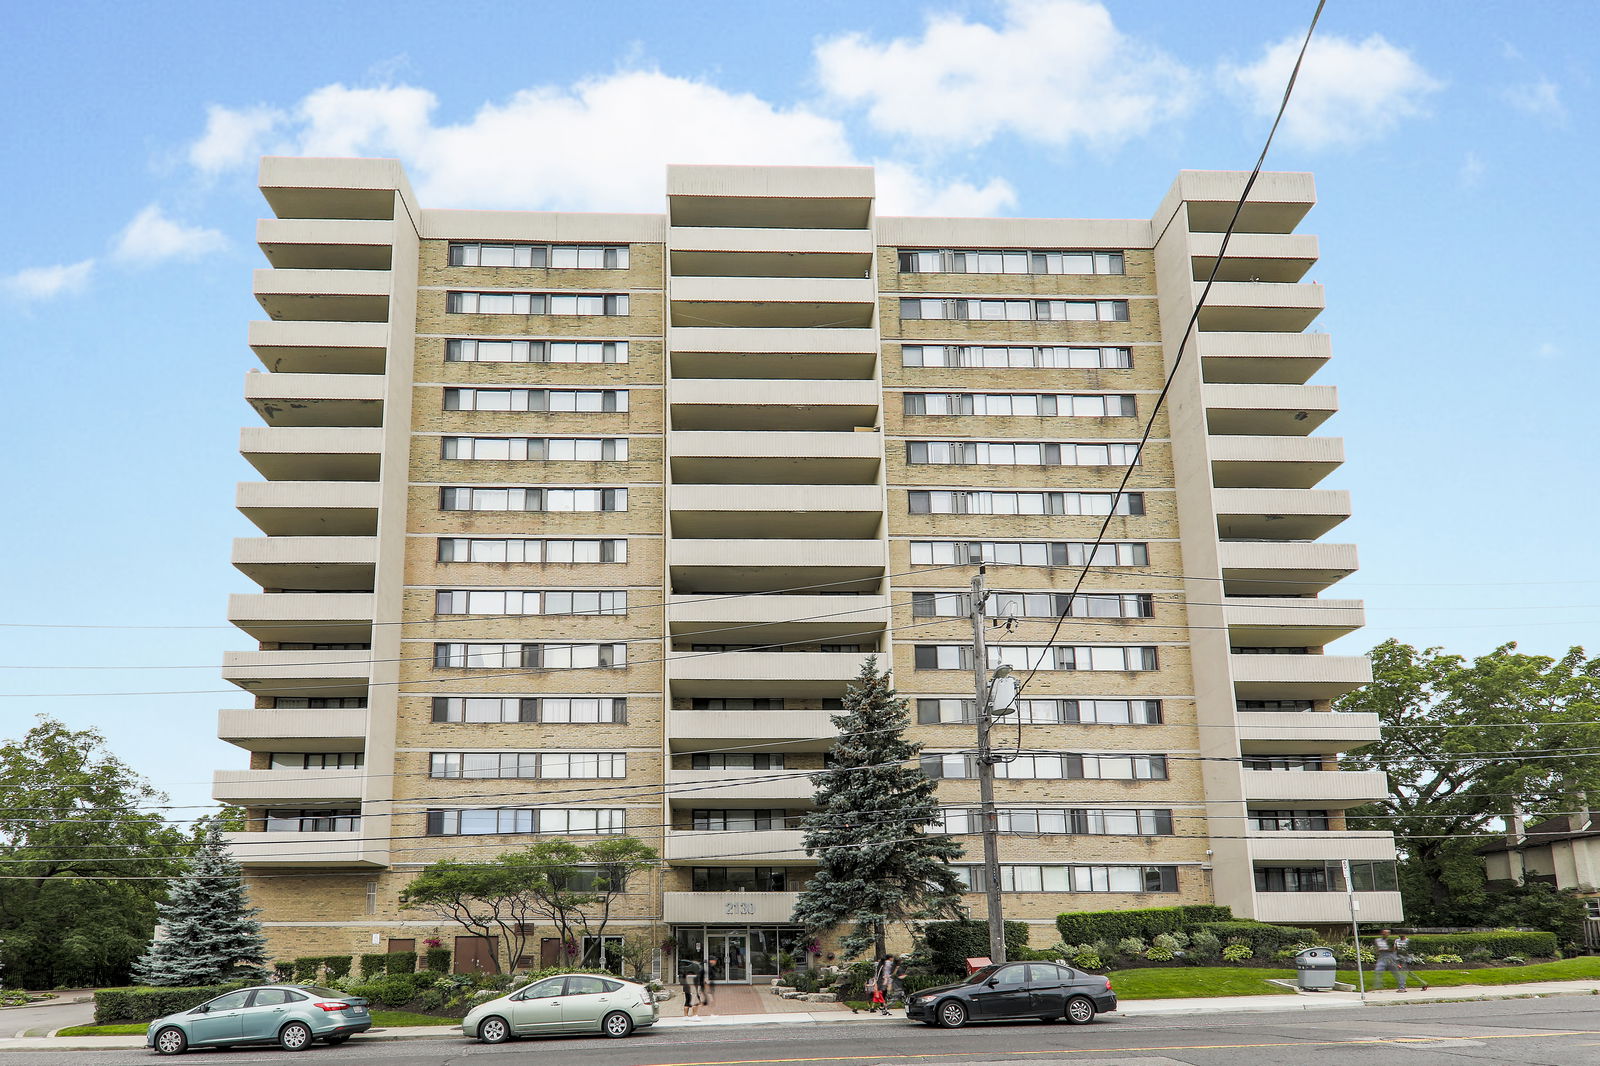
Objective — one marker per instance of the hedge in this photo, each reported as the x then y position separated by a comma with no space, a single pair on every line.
1536,945
951,944
438,960
337,965
374,964
306,968
1264,939
112,1005
1086,927
400,962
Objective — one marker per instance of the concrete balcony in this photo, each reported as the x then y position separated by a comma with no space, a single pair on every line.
1304,732
767,847
1267,621
1278,200
336,672
321,347
313,453
715,788
817,405
1260,306
256,788
1268,410
326,243
299,295
1327,908
710,908
786,730
705,566
304,617
1333,789
311,187
307,562
316,399
798,242
1290,846
1272,567
1272,257
310,508
1265,358
1273,462
790,354
778,619
1279,514
750,458
1298,677
305,849
796,674
294,728
779,511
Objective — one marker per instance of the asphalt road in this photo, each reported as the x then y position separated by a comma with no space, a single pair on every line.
1551,1032
72,1008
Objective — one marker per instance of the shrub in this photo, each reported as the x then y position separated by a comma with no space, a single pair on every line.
1130,946
1348,951
1265,939
373,964
337,966
1236,953
918,981
1205,946
1165,940
391,991
1514,960
283,971
398,962
951,944
851,983
1087,959
437,960
1445,959
1146,923
305,969
1499,944
142,1004
1160,954
431,1000
1479,953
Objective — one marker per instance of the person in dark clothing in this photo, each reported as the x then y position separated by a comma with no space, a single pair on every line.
689,975
707,983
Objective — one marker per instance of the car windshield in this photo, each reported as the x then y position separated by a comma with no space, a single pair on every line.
325,993
980,975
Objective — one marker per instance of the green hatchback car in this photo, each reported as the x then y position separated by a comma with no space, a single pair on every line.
570,1003
291,1016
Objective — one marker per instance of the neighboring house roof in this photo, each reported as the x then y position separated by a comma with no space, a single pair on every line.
1550,831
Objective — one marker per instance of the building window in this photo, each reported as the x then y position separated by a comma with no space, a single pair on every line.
735,820
533,400
981,501
1056,821
1027,553
1037,605
318,760
536,303
483,498
372,897
1011,356
520,656
1269,651
560,256
1043,656
496,764
482,821
520,602
530,550
1042,404
1007,261
547,449
702,760
1054,766
547,709
317,702
475,350
1292,879
1284,762
1043,453
738,879
1270,821
341,820
974,310
730,703
1030,878
1273,705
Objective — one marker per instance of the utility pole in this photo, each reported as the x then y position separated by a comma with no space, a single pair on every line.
991,820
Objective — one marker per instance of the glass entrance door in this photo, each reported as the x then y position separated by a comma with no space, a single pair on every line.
732,954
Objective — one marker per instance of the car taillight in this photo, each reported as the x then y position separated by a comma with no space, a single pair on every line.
329,1005
1108,984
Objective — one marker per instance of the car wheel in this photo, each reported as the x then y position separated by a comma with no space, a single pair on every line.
296,1036
617,1023
1080,1010
494,1030
952,1014
171,1041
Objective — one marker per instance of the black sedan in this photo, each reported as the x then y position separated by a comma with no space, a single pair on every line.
1042,990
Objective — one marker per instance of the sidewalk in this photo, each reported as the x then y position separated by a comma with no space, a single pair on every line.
1139,1008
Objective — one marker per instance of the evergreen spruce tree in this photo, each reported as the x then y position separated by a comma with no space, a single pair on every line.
212,934
880,859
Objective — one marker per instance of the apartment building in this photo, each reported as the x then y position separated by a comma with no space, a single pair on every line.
576,524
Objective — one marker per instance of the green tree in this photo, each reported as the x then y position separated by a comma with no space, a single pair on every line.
210,930
72,817
880,859
1464,742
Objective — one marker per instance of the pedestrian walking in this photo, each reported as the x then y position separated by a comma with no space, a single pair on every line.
885,983
897,979
708,982
689,975
1393,953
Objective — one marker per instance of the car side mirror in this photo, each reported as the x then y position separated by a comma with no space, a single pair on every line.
201,1009
991,982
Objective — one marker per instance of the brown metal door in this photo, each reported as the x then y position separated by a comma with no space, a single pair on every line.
476,954
402,945
550,953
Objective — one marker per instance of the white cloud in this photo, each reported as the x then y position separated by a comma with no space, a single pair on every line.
42,283
1054,71
558,148
1349,91
152,237
1541,98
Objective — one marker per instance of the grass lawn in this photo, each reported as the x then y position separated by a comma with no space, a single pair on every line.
1191,982
1584,968
381,1019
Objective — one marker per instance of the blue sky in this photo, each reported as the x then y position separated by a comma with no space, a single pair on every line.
1454,148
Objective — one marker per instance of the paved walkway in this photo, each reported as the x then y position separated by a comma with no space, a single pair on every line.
741,1000
821,1012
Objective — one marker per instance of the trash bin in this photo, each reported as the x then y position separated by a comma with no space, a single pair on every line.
1317,969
